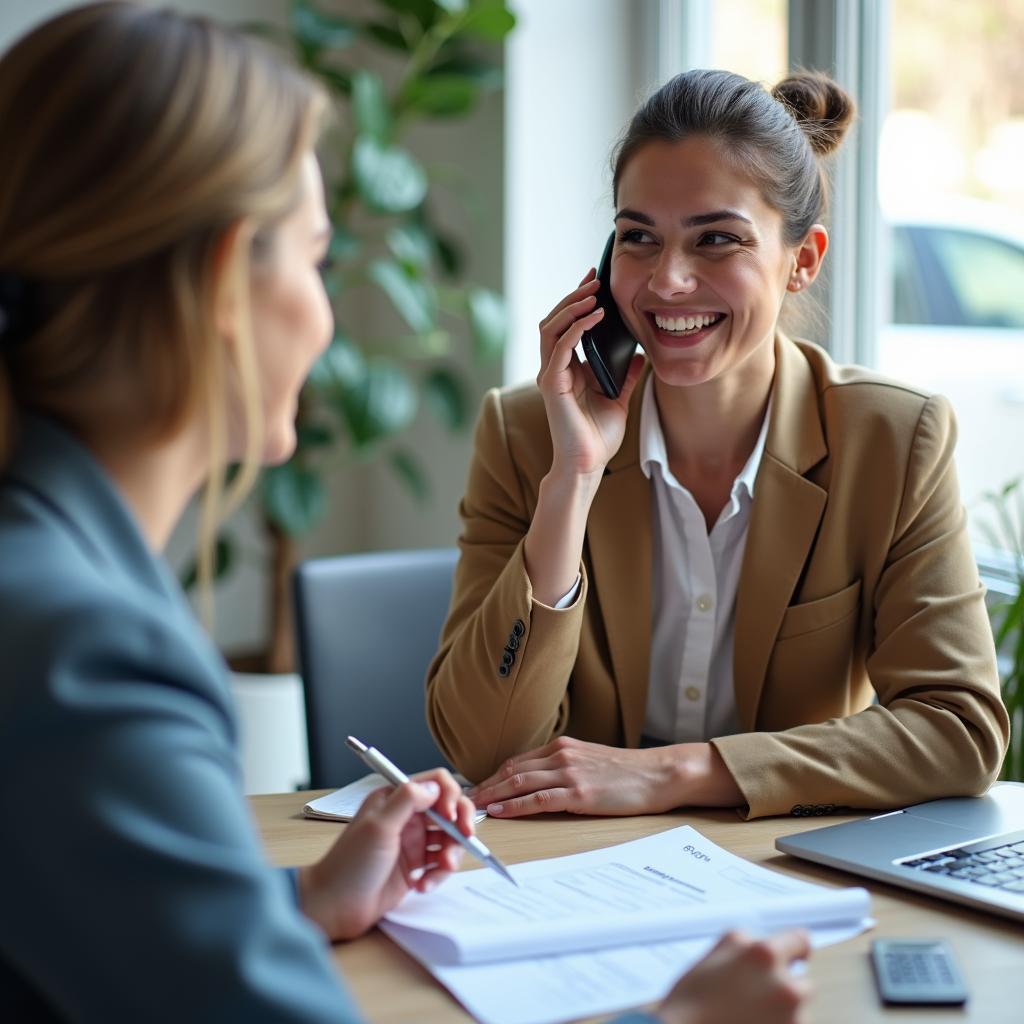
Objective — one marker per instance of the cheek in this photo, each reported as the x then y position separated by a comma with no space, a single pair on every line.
291,323
626,281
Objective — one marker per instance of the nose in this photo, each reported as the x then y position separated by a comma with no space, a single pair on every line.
673,274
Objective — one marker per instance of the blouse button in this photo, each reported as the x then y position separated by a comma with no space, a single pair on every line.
704,602
692,693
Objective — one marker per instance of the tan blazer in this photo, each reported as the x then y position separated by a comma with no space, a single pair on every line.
858,579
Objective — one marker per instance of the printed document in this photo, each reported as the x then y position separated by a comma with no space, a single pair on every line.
600,931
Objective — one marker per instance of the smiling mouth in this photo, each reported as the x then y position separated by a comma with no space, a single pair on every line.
686,326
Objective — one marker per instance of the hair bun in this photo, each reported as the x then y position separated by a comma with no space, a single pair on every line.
822,108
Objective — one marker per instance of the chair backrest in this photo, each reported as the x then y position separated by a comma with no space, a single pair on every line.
367,626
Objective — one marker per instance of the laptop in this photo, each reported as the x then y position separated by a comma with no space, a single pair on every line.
967,849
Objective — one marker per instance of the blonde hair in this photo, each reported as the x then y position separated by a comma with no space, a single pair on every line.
138,138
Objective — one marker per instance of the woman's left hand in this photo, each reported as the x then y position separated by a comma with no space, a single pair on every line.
589,778
389,848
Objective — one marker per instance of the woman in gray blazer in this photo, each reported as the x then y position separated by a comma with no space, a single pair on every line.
162,220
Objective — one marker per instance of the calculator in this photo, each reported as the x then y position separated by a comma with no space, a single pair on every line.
917,971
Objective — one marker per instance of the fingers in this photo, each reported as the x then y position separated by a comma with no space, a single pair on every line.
450,792
392,808
530,760
791,945
633,375
543,801
557,345
529,780
587,287
782,948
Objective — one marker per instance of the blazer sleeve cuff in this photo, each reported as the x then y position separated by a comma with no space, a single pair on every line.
759,786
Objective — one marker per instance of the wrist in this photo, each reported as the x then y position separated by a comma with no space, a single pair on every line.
701,778
554,541
316,903
566,484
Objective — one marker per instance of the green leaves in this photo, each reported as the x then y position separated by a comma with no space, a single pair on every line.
293,497
1007,534
412,247
383,403
487,322
314,30
414,299
444,95
445,396
388,179
364,392
225,554
488,19
370,107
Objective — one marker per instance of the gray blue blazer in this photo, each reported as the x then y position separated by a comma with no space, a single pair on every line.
133,886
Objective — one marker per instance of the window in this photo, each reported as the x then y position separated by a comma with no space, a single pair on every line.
750,38
952,196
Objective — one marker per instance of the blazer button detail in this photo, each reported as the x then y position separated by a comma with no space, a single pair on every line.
508,656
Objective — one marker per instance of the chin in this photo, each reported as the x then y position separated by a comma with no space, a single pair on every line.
279,445
682,373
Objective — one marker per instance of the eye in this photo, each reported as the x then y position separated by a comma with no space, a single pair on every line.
326,264
634,236
717,238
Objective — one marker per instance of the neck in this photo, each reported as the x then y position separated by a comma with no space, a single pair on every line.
156,480
713,427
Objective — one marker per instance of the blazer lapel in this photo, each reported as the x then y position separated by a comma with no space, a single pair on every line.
785,514
619,537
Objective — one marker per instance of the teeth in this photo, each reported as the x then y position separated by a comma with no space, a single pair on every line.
685,323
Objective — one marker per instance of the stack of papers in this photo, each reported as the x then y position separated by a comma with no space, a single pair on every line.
602,931
342,804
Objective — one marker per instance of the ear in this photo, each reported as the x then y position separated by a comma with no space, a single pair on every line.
807,258
230,279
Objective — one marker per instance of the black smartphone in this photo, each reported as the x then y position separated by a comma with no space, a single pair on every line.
609,346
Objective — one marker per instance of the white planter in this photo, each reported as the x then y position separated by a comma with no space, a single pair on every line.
272,720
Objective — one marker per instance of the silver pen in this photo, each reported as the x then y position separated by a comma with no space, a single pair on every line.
388,771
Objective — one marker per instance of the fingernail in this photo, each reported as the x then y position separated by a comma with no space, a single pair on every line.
432,789
495,808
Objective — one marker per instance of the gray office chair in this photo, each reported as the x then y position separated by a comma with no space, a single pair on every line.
367,626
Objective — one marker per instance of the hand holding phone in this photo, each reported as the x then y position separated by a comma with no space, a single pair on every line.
609,346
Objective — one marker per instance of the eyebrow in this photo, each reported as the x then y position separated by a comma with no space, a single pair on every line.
687,222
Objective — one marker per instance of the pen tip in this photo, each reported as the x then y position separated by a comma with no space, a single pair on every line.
504,872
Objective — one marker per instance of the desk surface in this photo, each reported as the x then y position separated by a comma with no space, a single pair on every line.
392,988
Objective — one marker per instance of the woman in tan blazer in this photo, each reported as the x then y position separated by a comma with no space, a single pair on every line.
691,594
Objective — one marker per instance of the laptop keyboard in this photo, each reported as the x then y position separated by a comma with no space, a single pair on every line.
997,862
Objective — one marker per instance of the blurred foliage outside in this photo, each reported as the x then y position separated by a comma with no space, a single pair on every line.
1006,532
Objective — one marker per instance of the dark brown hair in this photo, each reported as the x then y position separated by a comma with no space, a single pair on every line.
778,138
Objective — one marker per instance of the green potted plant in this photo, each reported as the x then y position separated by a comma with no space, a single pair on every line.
1005,532
392,65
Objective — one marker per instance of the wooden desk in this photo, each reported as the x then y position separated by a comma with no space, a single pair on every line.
392,988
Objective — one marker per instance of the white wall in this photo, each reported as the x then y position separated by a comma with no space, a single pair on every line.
575,72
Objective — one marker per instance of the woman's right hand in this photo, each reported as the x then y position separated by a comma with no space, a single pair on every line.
742,979
586,426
